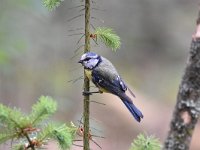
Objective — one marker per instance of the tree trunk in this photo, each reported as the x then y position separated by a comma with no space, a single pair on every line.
187,108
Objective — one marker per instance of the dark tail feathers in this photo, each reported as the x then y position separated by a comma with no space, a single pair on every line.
131,107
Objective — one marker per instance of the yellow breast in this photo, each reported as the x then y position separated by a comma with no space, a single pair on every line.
88,73
89,76
103,90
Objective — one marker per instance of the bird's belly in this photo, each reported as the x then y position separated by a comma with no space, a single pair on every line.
88,73
103,90
89,76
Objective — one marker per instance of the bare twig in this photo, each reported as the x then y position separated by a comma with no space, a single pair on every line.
77,140
76,54
80,39
76,7
75,80
76,34
98,9
81,10
92,26
93,128
95,41
97,19
79,48
77,145
96,143
98,103
75,29
75,17
97,136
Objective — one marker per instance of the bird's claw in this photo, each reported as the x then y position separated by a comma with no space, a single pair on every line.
86,93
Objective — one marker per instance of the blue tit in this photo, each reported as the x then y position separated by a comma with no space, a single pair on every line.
104,75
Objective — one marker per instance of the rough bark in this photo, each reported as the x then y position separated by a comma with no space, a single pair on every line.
86,106
187,108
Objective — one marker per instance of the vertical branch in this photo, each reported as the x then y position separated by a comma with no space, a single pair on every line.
86,80
187,108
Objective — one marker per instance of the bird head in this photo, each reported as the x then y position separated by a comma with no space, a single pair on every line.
90,60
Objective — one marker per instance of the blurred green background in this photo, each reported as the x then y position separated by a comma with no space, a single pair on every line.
37,57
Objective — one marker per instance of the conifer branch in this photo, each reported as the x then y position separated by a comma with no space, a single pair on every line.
63,134
6,136
108,37
51,4
19,127
144,142
42,109
11,117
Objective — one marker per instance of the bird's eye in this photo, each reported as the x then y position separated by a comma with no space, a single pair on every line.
86,59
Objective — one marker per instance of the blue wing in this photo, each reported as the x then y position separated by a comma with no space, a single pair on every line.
108,81
115,85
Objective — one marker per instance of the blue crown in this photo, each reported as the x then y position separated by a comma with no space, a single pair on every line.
91,54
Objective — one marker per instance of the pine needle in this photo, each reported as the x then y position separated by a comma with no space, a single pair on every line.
144,142
51,4
45,107
6,136
23,129
108,37
11,117
63,134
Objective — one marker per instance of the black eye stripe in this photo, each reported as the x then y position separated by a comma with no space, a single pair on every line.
86,59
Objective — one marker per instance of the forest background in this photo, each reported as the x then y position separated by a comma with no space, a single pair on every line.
36,59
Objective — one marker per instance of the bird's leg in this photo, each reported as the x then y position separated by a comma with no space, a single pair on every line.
85,93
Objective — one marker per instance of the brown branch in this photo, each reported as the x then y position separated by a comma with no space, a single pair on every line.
86,112
187,109
31,145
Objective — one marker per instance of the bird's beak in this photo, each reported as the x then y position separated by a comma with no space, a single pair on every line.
80,61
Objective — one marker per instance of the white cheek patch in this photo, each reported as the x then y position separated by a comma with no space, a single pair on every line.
83,56
91,63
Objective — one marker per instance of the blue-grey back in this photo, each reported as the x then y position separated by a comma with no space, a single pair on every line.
107,69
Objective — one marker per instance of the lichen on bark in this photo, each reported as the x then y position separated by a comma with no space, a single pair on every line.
187,109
